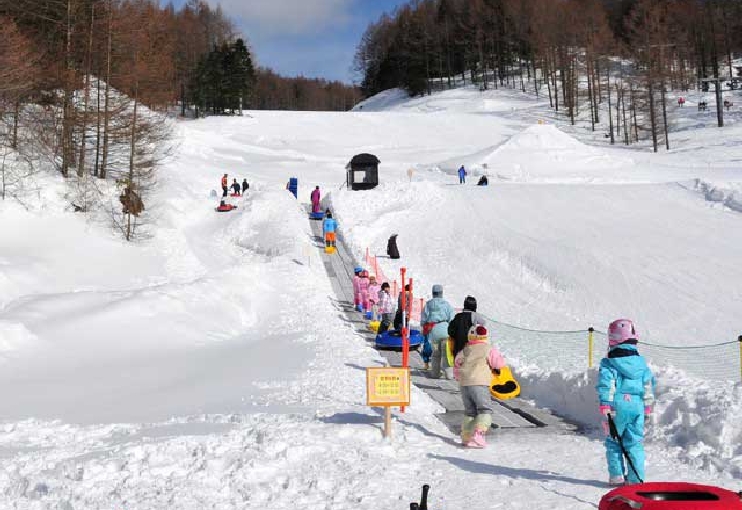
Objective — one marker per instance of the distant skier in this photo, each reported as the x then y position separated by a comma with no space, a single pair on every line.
386,307
462,175
373,296
329,229
626,392
473,369
391,247
245,186
458,328
225,185
315,197
435,317
235,187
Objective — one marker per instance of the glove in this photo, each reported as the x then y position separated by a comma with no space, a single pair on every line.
647,410
496,371
605,411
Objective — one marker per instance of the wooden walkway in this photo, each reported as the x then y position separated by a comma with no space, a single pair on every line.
513,415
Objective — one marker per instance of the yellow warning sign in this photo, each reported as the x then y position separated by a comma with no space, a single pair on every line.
387,386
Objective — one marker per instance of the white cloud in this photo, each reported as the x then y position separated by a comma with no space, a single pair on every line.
287,16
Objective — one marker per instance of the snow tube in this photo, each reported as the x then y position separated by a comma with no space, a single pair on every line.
392,340
374,326
670,496
226,208
317,215
503,385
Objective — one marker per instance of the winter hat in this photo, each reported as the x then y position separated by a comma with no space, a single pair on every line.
372,277
357,269
622,331
478,333
437,290
470,304
364,274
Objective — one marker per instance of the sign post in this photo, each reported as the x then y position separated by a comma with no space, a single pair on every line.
387,387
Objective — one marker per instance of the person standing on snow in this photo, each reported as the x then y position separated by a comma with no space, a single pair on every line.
245,186
473,369
626,393
458,328
225,185
386,307
462,175
435,317
373,296
329,229
408,309
235,187
315,200
357,288
363,284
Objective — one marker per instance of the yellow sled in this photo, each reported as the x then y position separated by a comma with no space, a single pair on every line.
449,351
374,326
503,385
330,250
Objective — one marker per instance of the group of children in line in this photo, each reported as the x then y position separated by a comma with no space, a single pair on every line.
625,385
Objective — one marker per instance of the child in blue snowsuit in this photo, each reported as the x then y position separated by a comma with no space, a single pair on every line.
626,392
462,175
329,229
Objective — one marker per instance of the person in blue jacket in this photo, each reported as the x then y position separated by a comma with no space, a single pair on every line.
329,229
626,392
462,175
435,317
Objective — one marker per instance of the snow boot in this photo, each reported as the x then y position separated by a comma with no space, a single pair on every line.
616,481
477,440
466,429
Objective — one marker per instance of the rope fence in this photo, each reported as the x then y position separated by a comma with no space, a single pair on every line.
576,350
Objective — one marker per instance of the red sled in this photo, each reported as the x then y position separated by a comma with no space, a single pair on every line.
226,208
670,496
235,195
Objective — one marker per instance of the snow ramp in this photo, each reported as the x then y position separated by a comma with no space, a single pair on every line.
514,415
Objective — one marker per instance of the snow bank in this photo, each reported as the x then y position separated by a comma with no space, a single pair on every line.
729,194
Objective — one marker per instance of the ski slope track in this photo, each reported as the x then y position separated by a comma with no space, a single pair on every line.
213,366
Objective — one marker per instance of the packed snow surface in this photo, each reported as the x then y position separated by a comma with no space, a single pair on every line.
210,366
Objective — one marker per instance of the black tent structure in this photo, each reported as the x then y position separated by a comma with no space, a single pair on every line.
363,172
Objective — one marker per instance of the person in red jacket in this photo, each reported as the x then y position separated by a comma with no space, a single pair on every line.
225,185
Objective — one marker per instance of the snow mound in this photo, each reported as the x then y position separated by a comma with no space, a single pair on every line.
383,101
543,153
13,336
546,137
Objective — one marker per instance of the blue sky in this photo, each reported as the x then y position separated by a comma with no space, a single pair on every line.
314,38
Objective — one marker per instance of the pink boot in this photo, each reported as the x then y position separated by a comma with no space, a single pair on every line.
477,440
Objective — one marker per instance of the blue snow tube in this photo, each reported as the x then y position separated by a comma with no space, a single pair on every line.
317,215
392,340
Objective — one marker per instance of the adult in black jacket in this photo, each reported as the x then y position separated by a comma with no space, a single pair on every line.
391,247
458,328
245,186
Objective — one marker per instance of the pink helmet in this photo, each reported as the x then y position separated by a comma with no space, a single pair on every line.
622,331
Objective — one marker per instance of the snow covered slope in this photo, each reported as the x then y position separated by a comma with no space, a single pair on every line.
211,367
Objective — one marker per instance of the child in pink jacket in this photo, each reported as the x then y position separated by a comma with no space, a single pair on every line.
373,296
356,287
473,368
363,289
